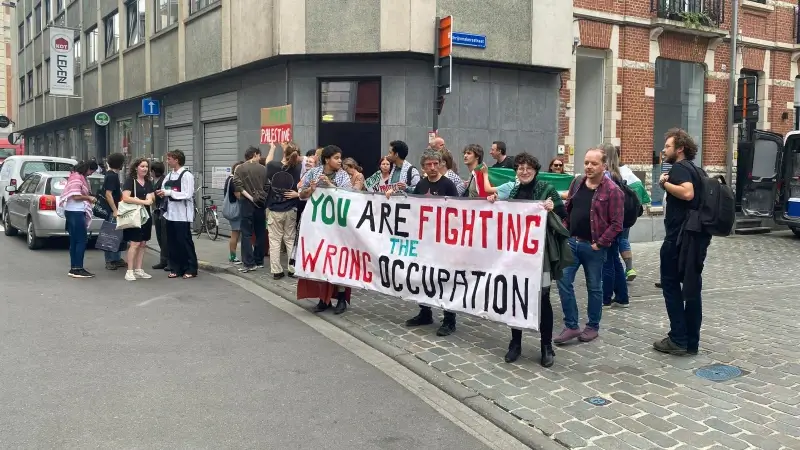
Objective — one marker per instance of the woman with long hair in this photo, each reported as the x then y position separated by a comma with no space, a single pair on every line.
282,203
355,171
77,201
236,224
328,174
138,190
557,257
615,287
556,166
379,181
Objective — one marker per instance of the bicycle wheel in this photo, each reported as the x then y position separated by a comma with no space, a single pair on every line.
211,225
198,223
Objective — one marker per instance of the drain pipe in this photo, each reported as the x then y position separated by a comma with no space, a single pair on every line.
732,93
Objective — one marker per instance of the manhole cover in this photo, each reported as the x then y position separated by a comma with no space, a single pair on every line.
719,372
597,401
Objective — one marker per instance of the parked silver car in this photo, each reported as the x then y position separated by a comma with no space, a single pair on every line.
31,208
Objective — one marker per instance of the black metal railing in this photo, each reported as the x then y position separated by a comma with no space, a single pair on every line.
694,13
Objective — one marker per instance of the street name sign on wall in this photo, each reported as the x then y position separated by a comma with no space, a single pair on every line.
62,62
276,124
469,40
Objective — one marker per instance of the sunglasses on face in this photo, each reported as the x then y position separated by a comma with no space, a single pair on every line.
558,165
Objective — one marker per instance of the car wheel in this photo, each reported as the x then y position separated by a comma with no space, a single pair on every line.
34,243
8,230
796,231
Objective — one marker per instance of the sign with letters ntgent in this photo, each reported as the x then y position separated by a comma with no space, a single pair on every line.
466,256
62,62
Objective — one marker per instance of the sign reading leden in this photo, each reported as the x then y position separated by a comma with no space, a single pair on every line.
276,124
62,67
466,256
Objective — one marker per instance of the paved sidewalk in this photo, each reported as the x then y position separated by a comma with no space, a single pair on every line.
654,401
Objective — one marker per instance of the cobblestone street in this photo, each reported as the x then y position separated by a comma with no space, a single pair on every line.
653,400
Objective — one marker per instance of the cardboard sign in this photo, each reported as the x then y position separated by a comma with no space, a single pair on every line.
276,124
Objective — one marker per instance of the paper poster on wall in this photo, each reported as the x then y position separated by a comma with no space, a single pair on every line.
218,176
276,124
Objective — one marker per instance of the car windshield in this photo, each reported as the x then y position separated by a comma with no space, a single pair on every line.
56,185
29,167
6,152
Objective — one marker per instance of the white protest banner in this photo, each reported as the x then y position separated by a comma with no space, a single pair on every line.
466,256
62,64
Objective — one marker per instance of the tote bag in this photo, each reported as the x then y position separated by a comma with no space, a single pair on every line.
230,210
130,215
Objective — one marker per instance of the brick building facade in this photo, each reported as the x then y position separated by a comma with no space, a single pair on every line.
665,63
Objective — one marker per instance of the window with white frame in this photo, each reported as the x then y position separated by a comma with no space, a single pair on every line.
197,5
136,21
48,13
21,90
77,47
29,27
91,46
38,78
46,76
166,13
111,26
37,18
30,85
21,36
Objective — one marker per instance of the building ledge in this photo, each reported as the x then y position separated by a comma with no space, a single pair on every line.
757,7
681,27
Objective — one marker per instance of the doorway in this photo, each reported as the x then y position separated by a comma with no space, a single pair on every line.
589,98
350,118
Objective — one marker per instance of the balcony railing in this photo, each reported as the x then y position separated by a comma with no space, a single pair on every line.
693,13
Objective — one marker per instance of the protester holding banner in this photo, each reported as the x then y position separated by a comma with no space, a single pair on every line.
328,174
558,255
404,175
379,181
434,185
479,175
354,170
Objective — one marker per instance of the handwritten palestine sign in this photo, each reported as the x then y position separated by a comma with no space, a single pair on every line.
466,256
276,124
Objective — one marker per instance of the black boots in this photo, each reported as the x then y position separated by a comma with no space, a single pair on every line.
425,317
321,306
341,303
548,356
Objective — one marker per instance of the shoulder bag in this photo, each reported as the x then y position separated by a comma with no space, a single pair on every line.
130,215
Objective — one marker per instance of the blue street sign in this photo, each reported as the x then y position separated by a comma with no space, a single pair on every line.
469,40
151,107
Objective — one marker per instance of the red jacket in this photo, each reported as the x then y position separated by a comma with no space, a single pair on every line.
608,210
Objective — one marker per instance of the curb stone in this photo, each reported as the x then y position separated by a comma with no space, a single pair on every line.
527,434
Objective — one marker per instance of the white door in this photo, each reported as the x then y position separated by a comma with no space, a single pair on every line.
220,150
589,95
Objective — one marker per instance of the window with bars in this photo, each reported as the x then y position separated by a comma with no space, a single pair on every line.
111,25
136,22
197,5
166,13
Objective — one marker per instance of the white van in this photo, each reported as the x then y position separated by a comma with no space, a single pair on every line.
17,167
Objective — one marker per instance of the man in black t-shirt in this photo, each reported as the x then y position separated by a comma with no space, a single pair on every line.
112,192
282,201
498,152
437,185
681,281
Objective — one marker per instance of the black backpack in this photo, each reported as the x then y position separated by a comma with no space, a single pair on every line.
632,206
717,208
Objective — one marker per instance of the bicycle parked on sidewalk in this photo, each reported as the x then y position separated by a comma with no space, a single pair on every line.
206,219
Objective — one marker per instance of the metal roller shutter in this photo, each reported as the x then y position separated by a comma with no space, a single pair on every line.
182,138
220,149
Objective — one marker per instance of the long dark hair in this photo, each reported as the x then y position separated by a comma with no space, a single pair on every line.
132,172
292,155
84,167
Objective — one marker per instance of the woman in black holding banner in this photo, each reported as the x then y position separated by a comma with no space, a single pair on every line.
557,253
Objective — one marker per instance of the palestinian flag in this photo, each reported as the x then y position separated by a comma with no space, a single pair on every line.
560,181
635,184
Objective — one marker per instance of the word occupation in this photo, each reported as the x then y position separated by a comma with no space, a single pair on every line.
465,256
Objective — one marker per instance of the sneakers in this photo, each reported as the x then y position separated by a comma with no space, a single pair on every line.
80,273
129,276
278,276
120,264
667,346
617,304
235,261
567,334
245,269
111,266
259,266
139,273
630,275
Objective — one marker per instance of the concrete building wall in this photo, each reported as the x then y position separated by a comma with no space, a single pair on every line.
634,37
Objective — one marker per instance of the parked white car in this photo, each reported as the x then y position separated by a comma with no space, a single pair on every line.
17,167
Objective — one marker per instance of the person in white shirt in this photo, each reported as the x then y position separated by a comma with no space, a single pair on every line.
178,190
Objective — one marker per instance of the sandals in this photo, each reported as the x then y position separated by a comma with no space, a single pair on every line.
172,275
184,276
188,276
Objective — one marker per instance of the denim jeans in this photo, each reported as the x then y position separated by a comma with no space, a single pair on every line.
76,227
623,240
113,256
615,283
592,262
683,295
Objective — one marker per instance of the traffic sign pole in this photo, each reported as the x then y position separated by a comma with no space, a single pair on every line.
435,126
442,53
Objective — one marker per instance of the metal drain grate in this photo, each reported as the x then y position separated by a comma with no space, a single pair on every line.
719,372
597,401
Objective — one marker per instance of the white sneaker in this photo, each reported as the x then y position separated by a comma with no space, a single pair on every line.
139,273
129,276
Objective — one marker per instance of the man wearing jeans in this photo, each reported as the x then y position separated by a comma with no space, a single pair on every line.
112,192
250,181
595,208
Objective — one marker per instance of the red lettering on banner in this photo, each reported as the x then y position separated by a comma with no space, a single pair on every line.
308,258
468,223
513,233
423,218
366,258
500,231
327,265
451,234
485,216
344,262
536,221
